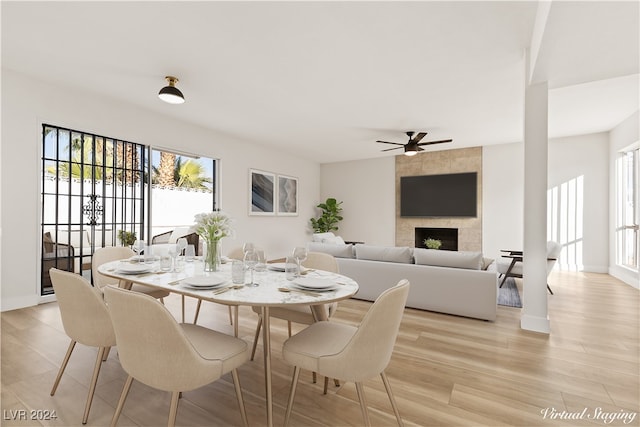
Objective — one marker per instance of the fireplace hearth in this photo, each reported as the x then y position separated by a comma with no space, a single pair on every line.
448,237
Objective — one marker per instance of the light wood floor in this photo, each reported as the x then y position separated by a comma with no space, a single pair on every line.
445,371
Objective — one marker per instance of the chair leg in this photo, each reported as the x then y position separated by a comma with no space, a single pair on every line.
72,344
255,339
292,394
549,289
289,327
326,385
314,377
363,404
230,316
336,382
173,409
195,317
94,381
182,300
106,354
387,386
243,411
123,397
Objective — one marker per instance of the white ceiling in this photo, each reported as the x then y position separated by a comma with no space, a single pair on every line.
325,80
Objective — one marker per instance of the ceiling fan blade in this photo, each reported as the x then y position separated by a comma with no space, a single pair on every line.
419,137
436,142
389,149
386,142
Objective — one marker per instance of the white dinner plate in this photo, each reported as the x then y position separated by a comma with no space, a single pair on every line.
138,258
276,266
315,283
210,281
128,268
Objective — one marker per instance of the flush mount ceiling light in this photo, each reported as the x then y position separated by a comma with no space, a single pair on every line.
171,93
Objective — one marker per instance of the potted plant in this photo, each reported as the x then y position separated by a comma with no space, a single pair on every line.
127,238
432,243
330,217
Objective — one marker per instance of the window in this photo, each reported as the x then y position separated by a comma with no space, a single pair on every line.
627,211
183,185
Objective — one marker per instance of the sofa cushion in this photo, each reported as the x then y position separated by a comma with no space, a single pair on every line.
384,253
338,251
455,259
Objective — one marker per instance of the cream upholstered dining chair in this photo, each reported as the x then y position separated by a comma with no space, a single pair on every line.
236,253
300,314
169,356
506,270
351,353
86,320
114,253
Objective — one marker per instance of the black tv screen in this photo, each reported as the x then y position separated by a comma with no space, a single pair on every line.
453,194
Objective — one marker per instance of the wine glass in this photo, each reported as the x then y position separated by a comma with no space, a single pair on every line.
300,254
250,261
138,246
248,247
182,245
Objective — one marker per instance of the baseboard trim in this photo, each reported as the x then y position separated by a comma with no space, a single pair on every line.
16,303
535,323
629,277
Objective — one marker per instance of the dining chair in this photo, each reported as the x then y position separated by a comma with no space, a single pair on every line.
348,352
236,253
86,320
169,356
300,314
114,253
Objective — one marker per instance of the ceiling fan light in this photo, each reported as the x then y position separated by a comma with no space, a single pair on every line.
410,151
171,93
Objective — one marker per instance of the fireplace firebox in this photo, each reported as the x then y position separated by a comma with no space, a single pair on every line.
448,237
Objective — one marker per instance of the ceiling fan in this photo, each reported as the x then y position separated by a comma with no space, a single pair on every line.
412,147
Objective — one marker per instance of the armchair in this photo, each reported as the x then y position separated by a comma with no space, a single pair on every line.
174,235
55,255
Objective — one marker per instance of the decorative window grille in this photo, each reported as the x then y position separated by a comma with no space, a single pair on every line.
93,188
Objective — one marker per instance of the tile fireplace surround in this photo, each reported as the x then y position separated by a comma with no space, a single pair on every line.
441,162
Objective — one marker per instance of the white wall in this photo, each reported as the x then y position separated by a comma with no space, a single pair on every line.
27,103
622,136
367,189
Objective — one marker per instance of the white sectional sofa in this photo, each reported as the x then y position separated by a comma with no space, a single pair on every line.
459,283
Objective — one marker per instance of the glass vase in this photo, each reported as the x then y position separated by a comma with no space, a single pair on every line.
212,257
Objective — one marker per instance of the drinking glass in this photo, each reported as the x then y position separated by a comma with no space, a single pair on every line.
290,268
138,247
237,272
165,261
262,260
300,254
190,253
250,261
148,254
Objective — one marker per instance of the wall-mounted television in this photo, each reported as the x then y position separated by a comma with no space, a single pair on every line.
449,195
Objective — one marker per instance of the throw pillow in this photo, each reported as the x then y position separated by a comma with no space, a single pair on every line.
320,237
455,259
384,253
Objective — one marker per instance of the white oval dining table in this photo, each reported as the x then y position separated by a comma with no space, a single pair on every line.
265,295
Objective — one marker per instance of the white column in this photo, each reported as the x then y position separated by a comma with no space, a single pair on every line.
535,315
